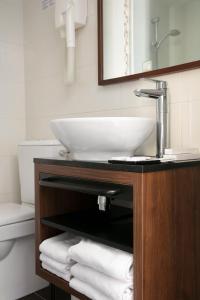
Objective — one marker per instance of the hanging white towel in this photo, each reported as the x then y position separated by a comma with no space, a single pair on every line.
86,290
55,264
66,276
58,246
110,261
112,288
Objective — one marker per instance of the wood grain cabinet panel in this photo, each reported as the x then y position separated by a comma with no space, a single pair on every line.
166,226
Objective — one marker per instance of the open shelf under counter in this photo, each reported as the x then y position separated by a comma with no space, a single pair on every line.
116,232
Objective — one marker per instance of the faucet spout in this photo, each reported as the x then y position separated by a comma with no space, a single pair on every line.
160,95
150,93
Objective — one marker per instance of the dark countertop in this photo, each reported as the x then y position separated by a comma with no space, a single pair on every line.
137,168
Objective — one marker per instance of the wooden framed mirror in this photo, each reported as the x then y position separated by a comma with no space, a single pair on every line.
146,38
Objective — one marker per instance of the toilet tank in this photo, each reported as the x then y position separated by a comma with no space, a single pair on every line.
27,151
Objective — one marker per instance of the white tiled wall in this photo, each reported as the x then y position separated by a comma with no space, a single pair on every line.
47,97
12,98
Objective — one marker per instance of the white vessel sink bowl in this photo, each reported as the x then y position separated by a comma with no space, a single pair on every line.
102,138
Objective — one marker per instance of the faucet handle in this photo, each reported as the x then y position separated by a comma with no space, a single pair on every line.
161,84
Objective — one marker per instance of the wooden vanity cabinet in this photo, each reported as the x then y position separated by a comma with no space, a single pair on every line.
166,223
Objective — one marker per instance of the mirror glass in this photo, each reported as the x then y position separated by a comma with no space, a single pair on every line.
146,35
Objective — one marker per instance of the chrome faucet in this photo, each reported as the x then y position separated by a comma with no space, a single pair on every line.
159,94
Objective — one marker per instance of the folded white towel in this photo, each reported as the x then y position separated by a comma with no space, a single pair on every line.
86,290
110,261
55,264
112,288
58,246
66,276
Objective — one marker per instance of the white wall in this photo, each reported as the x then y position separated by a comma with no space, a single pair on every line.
12,98
47,97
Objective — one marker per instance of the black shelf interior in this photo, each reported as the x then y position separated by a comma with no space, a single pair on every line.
115,231
113,227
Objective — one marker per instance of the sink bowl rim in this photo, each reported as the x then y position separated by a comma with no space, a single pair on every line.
101,119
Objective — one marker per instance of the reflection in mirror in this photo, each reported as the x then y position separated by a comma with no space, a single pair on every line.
146,35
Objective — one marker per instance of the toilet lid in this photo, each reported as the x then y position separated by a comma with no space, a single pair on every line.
13,213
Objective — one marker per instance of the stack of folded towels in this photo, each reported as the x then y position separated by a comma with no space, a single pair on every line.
95,270
101,272
55,254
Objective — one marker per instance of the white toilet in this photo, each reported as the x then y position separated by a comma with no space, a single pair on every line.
17,249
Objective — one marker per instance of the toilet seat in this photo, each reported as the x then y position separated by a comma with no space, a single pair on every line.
11,213
16,220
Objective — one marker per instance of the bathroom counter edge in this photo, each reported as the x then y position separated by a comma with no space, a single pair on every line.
117,167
